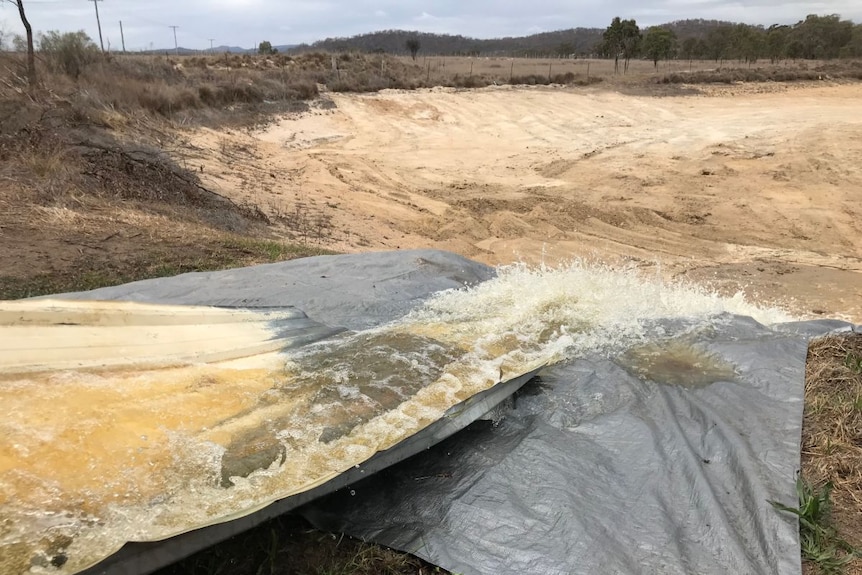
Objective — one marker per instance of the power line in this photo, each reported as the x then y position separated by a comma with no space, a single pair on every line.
99,23
176,46
211,44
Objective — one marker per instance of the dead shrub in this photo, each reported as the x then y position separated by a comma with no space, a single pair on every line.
39,161
207,95
529,80
567,78
588,80
156,99
301,90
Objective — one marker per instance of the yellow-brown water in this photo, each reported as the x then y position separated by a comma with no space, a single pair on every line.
141,447
677,362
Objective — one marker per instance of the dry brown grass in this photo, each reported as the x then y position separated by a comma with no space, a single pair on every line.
832,431
639,71
172,87
797,73
193,86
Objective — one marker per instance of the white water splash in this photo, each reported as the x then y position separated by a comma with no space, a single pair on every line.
590,306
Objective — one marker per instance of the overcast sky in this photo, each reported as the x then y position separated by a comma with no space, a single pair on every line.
246,22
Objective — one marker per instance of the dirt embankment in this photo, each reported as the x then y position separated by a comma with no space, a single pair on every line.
753,187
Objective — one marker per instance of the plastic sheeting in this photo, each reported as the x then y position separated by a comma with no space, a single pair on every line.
606,466
657,458
356,292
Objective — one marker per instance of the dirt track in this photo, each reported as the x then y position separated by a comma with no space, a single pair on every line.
748,187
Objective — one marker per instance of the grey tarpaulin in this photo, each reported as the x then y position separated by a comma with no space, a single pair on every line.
597,468
598,471
352,291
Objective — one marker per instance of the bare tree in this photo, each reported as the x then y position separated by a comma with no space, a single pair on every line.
31,55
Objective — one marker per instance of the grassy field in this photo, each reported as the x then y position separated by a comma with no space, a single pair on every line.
91,194
449,69
443,67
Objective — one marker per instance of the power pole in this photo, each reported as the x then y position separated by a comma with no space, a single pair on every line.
211,44
98,23
122,37
176,46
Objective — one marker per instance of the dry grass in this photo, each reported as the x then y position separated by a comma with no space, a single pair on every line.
193,87
797,73
442,70
500,68
832,431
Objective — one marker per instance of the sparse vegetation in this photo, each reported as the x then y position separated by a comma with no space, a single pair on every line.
819,540
832,455
800,73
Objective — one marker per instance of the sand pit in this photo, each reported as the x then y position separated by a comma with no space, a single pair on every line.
753,188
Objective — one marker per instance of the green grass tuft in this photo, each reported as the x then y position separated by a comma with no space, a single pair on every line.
853,362
819,541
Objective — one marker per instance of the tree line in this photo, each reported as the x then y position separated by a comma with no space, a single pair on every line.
816,37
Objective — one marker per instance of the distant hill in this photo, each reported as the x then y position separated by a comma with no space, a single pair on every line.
577,41
192,52
573,40
216,50
231,49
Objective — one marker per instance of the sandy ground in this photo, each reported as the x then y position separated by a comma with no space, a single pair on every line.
753,188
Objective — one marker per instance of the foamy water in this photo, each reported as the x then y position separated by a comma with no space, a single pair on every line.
598,307
327,407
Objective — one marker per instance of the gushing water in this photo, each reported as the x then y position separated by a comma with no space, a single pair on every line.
207,443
